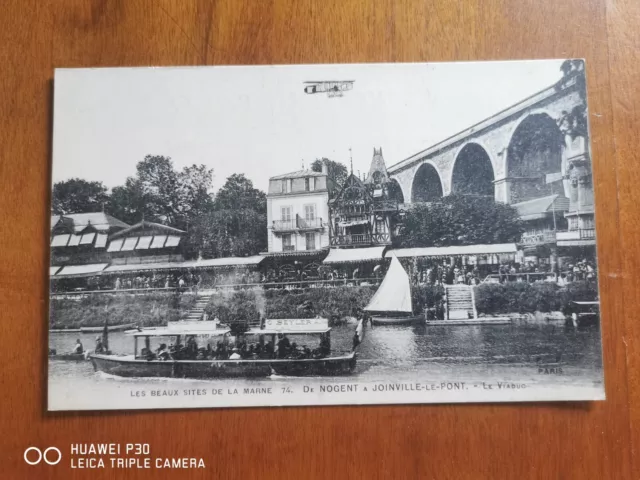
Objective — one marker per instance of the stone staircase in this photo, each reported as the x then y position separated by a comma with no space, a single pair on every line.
461,303
197,312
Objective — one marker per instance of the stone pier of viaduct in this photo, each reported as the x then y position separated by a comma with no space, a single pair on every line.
523,152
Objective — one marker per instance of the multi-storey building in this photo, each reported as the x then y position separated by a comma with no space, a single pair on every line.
297,222
364,217
364,213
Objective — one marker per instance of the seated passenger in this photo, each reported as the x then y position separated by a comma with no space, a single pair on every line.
99,345
268,350
306,352
283,346
78,348
235,355
191,347
294,352
163,352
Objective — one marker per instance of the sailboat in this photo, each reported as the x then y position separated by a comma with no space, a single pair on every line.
392,304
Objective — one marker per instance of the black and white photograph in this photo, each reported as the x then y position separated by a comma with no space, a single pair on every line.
243,236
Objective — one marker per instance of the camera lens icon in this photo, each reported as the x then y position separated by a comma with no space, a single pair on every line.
51,456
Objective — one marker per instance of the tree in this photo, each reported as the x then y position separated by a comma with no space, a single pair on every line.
459,220
236,225
159,193
337,174
78,196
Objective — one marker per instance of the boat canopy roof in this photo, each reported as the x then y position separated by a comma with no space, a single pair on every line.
292,326
183,327
270,331
172,332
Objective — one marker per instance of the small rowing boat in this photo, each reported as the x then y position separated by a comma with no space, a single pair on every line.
71,356
111,328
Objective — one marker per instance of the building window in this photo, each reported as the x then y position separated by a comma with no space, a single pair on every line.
306,184
312,183
311,241
287,246
573,223
309,212
283,186
285,214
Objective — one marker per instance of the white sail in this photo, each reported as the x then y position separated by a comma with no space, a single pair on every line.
394,293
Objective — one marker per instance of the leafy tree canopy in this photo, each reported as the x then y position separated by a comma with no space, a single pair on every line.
78,196
337,174
236,224
459,220
160,193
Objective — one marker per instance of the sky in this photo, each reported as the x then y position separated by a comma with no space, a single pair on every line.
258,120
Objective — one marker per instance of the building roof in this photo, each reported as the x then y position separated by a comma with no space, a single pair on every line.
539,207
354,255
144,267
377,165
209,263
299,174
101,221
144,224
226,262
81,270
489,249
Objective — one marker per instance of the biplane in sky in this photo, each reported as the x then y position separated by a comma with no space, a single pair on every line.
333,88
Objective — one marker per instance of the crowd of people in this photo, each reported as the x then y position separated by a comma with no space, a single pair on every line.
447,274
241,350
183,281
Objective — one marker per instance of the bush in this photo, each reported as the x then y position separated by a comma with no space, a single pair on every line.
522,297
329,302
145,310
426,296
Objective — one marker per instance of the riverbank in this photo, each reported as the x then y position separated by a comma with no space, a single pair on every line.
335,302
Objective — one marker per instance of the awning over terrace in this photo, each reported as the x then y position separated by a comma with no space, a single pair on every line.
354,255
491,249
81,270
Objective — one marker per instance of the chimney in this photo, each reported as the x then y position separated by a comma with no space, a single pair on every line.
325,168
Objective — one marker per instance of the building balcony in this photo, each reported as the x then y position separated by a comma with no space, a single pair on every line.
385,206
312,224
283,226
288,248
579,237
361,239
298,224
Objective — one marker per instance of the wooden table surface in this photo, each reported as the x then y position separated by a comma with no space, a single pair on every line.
548,441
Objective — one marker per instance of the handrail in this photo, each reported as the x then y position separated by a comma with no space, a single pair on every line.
205,288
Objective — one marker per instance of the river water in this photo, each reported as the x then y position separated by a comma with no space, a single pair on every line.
549,360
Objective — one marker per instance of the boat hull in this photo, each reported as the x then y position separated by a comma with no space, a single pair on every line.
127,366
112,328
388,320
70,357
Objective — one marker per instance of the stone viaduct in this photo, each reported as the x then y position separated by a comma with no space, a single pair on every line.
520,153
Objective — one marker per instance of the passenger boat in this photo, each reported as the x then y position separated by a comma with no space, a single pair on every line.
392,304
142,364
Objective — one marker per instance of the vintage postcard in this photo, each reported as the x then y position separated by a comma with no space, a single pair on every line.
322,234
